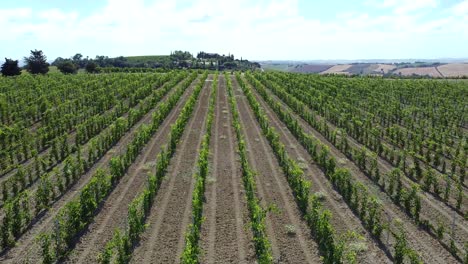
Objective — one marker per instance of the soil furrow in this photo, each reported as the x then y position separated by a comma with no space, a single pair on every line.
163,240
223,236
343,219
430,250
114,211
27,248
292,237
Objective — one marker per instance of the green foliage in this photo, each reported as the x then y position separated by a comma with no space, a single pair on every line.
67,67
192,249
331,108
36,63
122,241
318,220
78,213
256,212
91,67
10,68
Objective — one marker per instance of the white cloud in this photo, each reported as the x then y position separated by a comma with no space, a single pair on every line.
255,30
461,9
404,6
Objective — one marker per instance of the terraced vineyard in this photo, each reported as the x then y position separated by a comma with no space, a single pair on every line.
198,167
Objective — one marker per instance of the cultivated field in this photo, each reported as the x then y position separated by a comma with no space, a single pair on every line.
198,167
337,69
423,71
453,70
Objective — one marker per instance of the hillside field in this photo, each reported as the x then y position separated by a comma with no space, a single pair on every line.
233,167
416,69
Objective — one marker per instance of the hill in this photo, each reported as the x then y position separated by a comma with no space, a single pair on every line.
431,69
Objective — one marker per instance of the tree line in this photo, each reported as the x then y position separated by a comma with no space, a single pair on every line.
37,63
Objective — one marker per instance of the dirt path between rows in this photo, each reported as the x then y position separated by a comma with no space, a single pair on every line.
114,211
163,240
429,248
27,250
225,237
289,234
343,219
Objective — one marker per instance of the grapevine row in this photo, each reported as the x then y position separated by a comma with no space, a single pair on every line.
120,247
354,193
192,249
77,214
392,183
257,213
60,149
53,185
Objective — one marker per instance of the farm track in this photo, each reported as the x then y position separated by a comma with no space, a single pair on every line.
224,236
428,247
27,248
274,189
343,218
163,240
115,208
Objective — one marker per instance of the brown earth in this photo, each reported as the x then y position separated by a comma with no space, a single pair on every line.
454,69
288,247
337,69
163,241
27,249
114,211
431,71
426,245
343,218
224,236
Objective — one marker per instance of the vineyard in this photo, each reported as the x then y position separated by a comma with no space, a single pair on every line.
245,167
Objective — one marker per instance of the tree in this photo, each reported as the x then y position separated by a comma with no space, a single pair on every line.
37,62
77,57
67,67
57,61
10,68
91,67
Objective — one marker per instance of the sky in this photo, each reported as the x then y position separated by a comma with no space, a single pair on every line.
255,30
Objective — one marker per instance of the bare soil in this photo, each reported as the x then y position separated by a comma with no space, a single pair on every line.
27,250
431,71
163,241
426,245
225,236
289,235
114,211
343,218
338,69
454,69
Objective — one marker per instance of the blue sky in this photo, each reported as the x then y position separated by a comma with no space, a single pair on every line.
264,29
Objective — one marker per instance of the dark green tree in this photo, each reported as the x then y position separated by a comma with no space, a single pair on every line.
37,62
91,67
10,68
67,67
77,57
